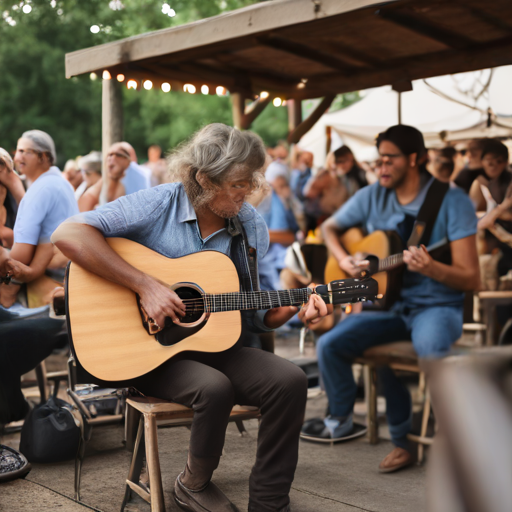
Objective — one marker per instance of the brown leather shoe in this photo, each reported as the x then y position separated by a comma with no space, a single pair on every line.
208,499
400,458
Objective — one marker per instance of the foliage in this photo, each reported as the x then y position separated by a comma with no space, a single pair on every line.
35,94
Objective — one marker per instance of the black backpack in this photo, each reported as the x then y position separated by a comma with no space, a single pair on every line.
51,432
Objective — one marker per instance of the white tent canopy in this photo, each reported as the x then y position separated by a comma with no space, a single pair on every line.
444,109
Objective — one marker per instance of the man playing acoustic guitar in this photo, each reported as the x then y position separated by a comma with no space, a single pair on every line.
429,309
213,174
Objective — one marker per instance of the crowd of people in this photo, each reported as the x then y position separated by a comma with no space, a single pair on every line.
296,202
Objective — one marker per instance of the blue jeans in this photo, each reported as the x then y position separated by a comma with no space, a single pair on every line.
432,331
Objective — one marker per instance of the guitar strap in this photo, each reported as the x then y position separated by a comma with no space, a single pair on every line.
244,256
427,215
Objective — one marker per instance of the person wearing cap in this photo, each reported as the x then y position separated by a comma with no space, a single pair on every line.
48,202
429,310
27,336
125,176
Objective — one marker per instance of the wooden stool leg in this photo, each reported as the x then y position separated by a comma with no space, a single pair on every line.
136,464
153,461
131,423
370,384
42,382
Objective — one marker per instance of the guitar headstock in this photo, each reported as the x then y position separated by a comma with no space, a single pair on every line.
345,291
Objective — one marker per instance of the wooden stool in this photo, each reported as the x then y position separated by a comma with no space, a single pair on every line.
399,355
150,411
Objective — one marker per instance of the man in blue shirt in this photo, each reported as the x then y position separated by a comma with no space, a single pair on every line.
215,171
429,311
125,176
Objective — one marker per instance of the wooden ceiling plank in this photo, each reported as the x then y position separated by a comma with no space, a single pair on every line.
489,18
426,28
306,52
498,53
246,22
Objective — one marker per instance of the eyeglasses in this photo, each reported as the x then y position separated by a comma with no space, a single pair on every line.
462,152
118,155
28,152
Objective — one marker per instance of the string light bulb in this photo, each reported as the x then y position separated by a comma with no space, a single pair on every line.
205,89
264,95
120,77
166,87
132,84
93,76
106,75
148,85
189,88
221,91
277,102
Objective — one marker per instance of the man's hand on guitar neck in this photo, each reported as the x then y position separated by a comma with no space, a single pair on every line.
418,260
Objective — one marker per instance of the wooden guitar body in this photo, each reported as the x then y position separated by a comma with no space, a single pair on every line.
379,243
104,320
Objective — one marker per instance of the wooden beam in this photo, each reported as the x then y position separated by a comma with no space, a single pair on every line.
246,22
111,123
308,123
426,28
306,52
238,106
485,16
253,111
493,54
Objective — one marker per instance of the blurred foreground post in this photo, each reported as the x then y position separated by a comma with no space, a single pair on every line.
471,459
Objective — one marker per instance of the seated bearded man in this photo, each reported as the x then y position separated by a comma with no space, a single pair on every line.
213,174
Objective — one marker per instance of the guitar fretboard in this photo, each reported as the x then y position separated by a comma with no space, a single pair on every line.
395,260
255,300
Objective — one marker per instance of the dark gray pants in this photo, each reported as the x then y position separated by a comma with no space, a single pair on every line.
212,383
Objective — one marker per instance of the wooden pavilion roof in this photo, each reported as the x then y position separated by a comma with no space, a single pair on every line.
312,48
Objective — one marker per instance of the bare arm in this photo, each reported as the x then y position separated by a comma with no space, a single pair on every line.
12,182
87,247
36,268
464,272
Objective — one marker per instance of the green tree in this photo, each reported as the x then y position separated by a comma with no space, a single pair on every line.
34,92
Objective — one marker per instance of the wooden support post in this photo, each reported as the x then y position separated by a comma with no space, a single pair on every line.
238,105
308,123
111,122
294,114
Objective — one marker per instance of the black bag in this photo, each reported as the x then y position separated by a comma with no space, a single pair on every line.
51,432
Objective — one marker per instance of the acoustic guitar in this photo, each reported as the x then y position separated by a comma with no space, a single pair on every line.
105,323
384,250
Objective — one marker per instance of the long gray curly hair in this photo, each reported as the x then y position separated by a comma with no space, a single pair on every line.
221,153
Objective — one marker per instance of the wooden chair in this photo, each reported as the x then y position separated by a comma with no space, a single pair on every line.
399,355
146,412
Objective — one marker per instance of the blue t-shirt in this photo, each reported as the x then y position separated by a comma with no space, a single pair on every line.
49,201
278,217
377,208
163,219
135,179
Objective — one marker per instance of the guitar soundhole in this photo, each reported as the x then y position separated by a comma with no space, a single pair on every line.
194,303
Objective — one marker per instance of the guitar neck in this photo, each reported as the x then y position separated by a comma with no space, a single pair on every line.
237,301
391,262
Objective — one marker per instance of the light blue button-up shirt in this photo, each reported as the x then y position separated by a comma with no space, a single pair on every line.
163,219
